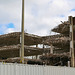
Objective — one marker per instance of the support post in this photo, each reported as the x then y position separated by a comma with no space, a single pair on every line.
43,49
71,41
37,46
68,63
51,49
32,57
36,56
22,35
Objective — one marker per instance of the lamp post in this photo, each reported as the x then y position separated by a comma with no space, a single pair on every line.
22,35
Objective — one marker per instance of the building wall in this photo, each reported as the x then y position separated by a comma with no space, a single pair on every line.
21,69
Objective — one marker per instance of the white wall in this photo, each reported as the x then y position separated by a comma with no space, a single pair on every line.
20,69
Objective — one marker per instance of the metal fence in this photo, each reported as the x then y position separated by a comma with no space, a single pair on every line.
21,69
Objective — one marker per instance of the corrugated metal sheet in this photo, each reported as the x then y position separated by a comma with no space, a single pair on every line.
21,69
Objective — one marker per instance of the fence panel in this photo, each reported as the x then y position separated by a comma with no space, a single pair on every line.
22,69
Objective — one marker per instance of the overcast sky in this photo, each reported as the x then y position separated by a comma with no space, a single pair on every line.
40,15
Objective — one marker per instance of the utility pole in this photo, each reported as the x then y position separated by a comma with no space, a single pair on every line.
72,41
22,35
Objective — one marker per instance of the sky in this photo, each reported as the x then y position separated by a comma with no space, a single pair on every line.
40,15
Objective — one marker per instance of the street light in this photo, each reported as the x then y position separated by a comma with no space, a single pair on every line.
22,35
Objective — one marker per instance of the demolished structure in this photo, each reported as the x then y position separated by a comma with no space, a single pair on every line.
10,45
63,44
55,49
60,46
